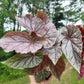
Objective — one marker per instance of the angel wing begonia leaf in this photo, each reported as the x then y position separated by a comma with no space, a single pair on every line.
32,23
58,69
21,61
20,42
72,45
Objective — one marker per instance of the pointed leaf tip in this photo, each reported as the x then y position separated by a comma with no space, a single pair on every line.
58,69
72,45
54,53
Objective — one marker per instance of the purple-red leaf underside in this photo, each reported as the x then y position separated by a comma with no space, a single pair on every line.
58,69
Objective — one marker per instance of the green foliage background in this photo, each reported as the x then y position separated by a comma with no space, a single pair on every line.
7,74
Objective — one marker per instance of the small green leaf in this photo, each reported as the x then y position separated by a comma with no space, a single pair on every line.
28,70
21,61
43,75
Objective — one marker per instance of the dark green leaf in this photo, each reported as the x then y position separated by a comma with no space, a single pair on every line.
21,61
28,70
43,75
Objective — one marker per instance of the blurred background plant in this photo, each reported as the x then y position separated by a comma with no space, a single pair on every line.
60,12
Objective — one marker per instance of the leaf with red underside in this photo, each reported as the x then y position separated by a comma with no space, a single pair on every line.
72,45
81,29
43,64
32,23
58,69
81,74
20,42
42,15
21,61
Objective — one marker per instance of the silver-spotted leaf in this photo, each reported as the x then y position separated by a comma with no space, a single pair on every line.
21,61
72,45
54,54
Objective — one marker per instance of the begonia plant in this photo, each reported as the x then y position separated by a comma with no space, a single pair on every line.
39,49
